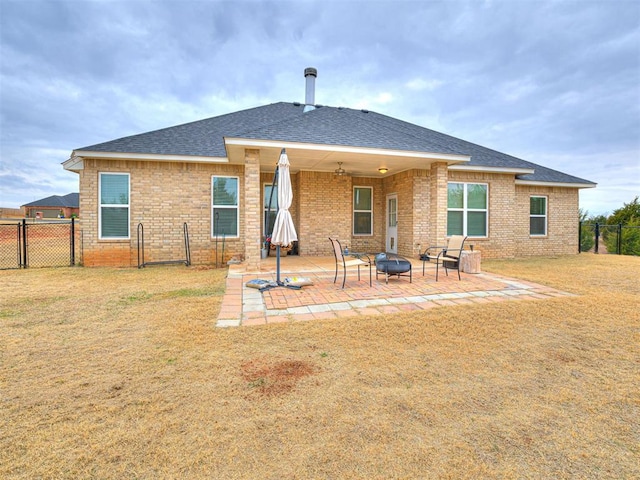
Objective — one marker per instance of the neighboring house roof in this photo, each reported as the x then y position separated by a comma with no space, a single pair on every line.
288,122
71,200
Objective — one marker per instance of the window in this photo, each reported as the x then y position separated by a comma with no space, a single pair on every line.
224,208
538,216
363,211
393,212
270,214
467,211
113,191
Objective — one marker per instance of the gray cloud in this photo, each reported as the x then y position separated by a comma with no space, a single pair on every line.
555,83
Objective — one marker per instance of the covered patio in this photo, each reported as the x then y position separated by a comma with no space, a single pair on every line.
244,306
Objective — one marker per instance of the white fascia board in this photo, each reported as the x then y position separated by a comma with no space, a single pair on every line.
555,184
150,157
479,168
344,149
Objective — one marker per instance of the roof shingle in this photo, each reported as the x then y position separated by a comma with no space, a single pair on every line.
71,200
322,125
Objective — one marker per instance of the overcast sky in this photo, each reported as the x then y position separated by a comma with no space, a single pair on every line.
554,83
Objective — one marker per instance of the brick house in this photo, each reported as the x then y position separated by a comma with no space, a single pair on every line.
55,206
375,182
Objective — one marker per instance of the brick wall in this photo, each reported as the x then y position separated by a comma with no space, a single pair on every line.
509,218
412,189
503,215
321,194
250,230
164,195
562,221
438,200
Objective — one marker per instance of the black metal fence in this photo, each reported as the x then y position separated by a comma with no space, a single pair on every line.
187,249
28,243
617,239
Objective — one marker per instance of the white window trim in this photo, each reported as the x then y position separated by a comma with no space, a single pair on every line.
110,205
353,216
229,207
465,210
545,216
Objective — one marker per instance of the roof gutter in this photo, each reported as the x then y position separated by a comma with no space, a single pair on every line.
537,183
76,162
479,168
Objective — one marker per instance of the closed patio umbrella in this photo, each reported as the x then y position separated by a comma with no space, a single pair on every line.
284,232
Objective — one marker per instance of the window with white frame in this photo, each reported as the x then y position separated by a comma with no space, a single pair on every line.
225,212
537,216
269,212
467,209
113,192
363,210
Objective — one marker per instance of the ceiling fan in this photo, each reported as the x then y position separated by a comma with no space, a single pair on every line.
340,171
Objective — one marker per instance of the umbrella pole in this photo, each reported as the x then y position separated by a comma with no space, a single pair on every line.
278,281
278,266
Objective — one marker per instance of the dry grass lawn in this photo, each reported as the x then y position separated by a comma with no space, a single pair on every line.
112,373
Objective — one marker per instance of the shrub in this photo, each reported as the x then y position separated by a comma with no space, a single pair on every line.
630,241
631,238
625,215
586,237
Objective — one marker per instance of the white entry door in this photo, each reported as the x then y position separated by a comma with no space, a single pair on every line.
392,224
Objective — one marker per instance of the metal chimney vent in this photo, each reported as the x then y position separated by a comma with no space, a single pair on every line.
310,75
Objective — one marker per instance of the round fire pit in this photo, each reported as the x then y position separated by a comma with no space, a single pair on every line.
393,264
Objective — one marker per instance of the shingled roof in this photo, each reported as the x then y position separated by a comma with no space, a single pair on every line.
288,122
71,200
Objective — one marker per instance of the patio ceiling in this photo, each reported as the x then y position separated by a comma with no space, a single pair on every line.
357,161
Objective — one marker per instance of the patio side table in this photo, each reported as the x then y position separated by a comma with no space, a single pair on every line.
470,261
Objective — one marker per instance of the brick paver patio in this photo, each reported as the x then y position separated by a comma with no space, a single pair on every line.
324,299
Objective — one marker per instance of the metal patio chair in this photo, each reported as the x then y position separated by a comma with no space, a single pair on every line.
359,260
448,257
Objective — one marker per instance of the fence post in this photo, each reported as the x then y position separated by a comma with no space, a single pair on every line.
597,235
19,245
24,243
579,236
619,239
73,242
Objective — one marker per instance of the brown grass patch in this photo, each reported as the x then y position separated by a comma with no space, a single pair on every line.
270,378
120,373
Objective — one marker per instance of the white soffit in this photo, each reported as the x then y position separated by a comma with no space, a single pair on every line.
243,142
357,161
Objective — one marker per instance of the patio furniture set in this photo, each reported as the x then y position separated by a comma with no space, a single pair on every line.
391,264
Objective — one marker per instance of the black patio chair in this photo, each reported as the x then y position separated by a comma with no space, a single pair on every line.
448,257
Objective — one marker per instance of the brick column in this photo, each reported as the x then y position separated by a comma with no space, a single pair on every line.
252,209
438,213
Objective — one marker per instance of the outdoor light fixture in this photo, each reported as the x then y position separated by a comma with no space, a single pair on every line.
340,171
383,170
